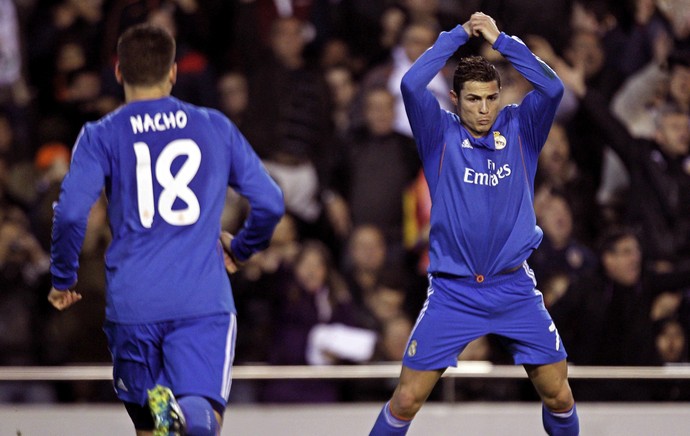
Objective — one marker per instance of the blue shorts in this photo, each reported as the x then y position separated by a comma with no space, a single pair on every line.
460,309
190,356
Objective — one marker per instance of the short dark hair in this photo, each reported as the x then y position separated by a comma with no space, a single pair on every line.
474,69
145,53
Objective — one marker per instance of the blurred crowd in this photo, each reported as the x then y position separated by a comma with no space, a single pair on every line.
314,86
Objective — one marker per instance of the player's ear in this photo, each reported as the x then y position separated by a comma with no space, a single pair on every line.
118,73
173,74
453,97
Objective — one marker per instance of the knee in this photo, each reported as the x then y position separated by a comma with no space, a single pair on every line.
406,403
560,399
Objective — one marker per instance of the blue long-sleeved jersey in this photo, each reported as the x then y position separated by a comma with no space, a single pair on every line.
482,189
165,165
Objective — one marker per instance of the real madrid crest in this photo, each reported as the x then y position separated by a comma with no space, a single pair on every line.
499,141
412,349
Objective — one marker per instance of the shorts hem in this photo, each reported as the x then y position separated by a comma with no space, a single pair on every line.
545,361
422,367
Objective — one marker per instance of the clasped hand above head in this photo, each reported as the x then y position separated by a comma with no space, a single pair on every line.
482,25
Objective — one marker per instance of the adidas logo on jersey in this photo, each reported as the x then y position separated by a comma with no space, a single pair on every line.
466,144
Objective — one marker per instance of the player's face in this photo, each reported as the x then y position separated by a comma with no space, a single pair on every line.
477,106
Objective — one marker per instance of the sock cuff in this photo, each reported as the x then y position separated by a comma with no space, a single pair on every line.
562,415
393,420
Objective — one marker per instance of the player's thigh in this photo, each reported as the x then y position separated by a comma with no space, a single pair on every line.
137,358
198,355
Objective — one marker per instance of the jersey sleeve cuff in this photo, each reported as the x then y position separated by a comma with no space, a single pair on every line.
237,250
500,42
62,283
458,34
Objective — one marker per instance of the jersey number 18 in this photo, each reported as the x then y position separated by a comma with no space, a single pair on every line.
176,186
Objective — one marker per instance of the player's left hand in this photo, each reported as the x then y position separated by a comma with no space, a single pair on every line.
231,264
61,300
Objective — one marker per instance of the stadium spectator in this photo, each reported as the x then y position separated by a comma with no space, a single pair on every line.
604,317
289,122
195,76
665,80
414,40
365,258
23,271
560,251
259,287
233,96
614,308
659,173
313,296
557,171
670,342
65,31
375,166
343,88
671,348
50,166
641,26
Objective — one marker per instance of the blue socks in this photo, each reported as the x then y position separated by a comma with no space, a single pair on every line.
555,423
560,423
199,417
388,425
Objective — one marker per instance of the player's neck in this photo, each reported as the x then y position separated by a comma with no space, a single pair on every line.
139,93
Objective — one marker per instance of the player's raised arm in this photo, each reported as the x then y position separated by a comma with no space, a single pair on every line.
420,104
538,109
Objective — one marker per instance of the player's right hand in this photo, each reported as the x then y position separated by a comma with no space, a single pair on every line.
61,300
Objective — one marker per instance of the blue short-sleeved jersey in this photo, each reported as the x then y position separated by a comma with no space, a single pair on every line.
482,189
165,166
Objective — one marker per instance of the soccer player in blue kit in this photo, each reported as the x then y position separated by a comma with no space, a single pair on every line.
166,166
480,165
